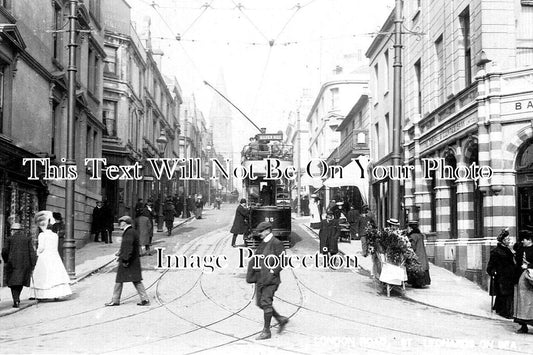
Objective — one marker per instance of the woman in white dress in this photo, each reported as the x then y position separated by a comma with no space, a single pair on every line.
50,279
314,211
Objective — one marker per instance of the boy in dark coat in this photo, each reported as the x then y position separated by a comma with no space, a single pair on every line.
240,224
268,279
20,258
129,263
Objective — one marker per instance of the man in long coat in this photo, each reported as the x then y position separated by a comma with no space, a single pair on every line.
363,223
240,225
20,259
169,212
129,264
267,279
329,235
99,222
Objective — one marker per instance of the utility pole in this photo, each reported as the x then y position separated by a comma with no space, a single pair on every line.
397,109
298,143
70,245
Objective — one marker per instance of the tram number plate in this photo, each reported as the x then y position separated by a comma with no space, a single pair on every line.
269,219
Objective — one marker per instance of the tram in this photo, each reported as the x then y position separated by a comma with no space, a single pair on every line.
269,198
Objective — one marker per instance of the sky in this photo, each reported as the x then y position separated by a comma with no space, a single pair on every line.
269,51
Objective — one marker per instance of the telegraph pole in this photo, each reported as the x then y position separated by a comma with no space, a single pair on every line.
397,109
70,244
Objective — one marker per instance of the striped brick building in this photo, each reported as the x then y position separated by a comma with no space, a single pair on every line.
467,99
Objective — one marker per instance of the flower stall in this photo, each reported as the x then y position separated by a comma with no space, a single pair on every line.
394,260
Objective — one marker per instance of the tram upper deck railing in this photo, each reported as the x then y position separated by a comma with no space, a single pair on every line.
259,151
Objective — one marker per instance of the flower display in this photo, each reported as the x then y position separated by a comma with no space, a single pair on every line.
396,246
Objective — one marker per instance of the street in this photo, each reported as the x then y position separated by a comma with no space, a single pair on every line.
192,311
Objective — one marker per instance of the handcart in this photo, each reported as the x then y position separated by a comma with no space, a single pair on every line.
391,275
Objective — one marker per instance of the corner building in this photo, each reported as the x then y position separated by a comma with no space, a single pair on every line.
467,98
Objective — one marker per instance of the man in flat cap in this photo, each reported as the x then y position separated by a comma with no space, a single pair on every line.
267,279
129,263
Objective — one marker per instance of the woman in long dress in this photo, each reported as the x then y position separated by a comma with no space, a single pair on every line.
50,279
523,296
314,210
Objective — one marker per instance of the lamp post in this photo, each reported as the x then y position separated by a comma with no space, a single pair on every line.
162,142
397,110
70,244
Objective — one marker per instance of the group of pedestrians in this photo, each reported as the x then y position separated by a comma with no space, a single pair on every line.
102,223
511,271
42,270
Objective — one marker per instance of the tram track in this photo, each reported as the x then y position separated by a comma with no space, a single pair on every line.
208,327
86,312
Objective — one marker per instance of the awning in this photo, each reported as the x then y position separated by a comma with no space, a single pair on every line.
307,180
351,176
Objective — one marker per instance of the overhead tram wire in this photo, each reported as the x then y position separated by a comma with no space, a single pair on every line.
232,104
205,6
239,6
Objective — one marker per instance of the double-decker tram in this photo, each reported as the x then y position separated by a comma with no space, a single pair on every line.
266,190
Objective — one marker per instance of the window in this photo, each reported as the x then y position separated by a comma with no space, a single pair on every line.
388,143
376,141
109,113
376,81
386,73
88,142
451,161
92,71
56,35
439,51
94,9
54,138
464,20
334,98
418,87
110,65
433,199
3,82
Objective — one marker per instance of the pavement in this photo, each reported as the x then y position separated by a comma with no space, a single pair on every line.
89,259
447,291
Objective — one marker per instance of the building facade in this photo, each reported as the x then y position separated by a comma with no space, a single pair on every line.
466,102
141,112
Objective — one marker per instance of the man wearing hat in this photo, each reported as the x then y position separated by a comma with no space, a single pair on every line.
363,222
267,279
240,222
129,263
20,258
393,223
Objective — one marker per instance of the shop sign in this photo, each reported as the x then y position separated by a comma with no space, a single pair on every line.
445,133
